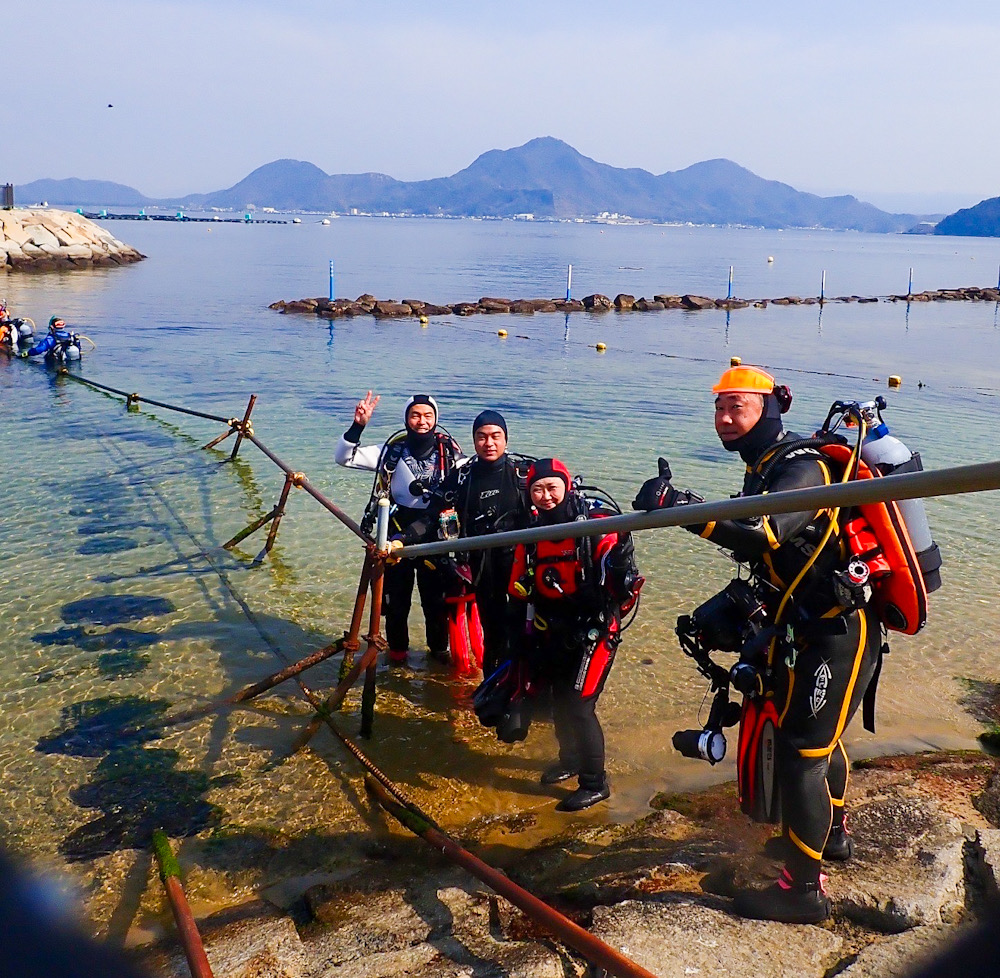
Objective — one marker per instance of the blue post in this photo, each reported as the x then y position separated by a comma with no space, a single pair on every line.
998,278
569,281
822,287
331,280
729,294
909,288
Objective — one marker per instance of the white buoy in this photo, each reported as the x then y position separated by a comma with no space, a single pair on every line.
325,222
770,259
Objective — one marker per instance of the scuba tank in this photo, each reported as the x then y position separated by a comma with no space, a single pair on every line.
885,453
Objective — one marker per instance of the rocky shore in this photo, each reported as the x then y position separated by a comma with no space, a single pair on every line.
926,866
368,305
51,240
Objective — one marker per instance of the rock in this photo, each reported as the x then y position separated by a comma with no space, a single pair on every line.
679,937
596,302
670,301
731,303
300,305
390,310
40,240
623,302
987,801
869,298
648,305
494,305
260,946
355,309
988,860
568,305
788,300
543,305
331,312
430,309
900,954
465,309
415,304
908,867
697,302
760,304
523,307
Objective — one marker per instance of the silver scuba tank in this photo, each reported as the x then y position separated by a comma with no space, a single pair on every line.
886,453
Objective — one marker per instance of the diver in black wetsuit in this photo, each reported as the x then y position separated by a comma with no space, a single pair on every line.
817,672
486,495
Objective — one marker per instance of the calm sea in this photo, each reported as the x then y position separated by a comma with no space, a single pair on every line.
108,616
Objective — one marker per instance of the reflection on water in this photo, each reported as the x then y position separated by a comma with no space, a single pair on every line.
112,618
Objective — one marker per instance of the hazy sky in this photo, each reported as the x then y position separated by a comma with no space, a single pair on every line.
895,102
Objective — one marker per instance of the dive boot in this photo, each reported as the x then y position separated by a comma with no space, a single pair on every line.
557,772
785,901
577,801
839,845
397,657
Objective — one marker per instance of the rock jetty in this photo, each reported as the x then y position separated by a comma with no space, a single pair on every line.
926,867
368,305
50,240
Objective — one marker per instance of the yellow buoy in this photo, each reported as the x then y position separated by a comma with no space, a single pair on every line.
895,381
600,347
423,320
502,333
735,361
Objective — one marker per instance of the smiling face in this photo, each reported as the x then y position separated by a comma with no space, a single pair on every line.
490,441
420,418
547,493
736,414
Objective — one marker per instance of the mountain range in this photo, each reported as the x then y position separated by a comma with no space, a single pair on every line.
545,177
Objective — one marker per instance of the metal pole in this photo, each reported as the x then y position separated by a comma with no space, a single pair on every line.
729,294
245,427
569,281
592,948
331,280
170,873
911,485
909,287
822,287
279,511
378,583
252,528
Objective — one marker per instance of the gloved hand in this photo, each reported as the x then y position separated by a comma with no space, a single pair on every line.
395,545
22,354
658,493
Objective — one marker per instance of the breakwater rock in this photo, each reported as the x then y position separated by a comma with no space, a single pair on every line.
926,866
368,305
50,240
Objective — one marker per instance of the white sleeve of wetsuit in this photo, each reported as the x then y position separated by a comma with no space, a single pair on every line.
353,456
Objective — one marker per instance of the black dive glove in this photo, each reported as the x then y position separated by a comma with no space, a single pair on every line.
658,493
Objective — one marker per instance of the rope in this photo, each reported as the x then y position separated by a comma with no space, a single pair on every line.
135,398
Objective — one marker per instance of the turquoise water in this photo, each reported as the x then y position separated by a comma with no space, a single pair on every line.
106,608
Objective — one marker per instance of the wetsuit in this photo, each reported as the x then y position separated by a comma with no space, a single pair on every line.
487,497
413,467
817,677
570,642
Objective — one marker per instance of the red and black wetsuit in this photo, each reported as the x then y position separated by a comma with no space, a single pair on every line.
570,633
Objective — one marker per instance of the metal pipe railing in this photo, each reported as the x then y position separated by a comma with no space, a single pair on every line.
911,485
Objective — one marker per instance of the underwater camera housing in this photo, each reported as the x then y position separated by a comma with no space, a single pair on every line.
709,743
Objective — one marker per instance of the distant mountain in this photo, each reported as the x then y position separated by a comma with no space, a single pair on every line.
981,221
547,178
76,192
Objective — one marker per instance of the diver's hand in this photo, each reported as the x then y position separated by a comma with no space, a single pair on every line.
22,354
393,557
366,408
656,493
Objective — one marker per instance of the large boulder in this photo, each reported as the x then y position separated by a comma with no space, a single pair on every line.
391,310
697,302
597,302
624,302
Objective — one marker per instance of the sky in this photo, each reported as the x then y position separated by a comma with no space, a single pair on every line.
894,102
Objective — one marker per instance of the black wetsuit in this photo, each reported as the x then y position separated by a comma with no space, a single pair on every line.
488,497
819,677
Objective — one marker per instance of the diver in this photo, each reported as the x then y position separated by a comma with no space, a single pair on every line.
486,495
819,655
574,595
13,331
59,345
408,468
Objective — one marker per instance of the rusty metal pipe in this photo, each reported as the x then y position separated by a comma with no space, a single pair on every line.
279,511
573,935
170,872
252,528
244,427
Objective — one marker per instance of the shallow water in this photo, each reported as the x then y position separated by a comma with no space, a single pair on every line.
109,616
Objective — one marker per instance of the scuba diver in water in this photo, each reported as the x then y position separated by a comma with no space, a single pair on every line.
14,331
408,468
59,345
575,594
816,646
486,495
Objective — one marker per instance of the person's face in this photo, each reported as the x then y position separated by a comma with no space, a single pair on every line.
420,418
548,493
736,414
490,442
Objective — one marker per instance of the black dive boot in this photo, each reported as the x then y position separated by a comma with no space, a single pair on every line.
839,845
585,796
559,771
785,901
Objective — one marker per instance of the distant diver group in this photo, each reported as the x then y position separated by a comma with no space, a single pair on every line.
60,344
